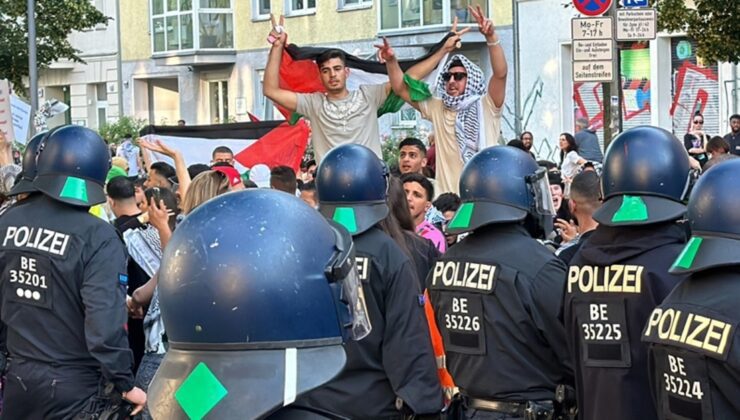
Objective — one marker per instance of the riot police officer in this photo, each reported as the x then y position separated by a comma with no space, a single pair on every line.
497,293
694,353
63,289
621,272
255,314
392,372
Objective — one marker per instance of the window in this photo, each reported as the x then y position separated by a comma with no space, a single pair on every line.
402,14
174,25
219,92
301,6
261,9
265,108
101,96
353,4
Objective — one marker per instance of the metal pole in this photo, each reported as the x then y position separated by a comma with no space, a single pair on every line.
612,115
32,66
517,74
119,59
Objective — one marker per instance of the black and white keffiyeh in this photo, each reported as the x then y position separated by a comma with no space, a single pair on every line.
469,129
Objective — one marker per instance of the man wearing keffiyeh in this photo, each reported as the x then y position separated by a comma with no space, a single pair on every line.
464,110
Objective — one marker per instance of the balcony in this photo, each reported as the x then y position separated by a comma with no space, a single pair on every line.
187,32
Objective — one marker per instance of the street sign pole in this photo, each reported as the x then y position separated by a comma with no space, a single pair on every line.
612,94
33,78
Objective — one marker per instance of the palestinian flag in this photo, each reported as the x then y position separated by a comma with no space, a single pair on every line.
299,73
272,143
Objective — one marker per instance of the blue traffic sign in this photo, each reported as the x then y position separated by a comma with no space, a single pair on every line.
635,3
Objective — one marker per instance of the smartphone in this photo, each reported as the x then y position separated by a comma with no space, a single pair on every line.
157,195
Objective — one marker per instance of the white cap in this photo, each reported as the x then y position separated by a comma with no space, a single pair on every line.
260,175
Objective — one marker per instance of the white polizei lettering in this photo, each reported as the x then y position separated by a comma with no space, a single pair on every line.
470,276
9,234
37,238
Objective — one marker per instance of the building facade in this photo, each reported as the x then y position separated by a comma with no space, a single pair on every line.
91,88
663,81
203,60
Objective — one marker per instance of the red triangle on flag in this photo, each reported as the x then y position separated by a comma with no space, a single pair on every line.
283,145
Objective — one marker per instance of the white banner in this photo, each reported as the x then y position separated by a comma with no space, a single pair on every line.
21,118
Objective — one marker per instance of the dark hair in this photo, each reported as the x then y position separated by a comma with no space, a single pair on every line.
521,136
398,221
248,183
735,117
307,186
283,178
120,188
554,178
422,180
170,201
447,202
195,169
586,189
572,145
164,169
717,143
456,63
412,141
518,144
329,54
716,160
221,149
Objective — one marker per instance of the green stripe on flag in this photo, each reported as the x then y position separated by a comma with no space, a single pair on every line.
633,209
74,188
461,220
686,259
345,216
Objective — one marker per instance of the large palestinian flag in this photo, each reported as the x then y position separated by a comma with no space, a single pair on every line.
272,143
299,73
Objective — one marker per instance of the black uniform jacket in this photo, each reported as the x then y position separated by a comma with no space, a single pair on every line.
396,359
497,295
63,289
614,282
694,353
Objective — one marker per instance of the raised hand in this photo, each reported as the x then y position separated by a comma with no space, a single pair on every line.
485,25
159,147
385,51
454,42
277,36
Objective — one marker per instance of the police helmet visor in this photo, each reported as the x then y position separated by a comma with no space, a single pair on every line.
355,217
540,185
707,250
192,384
345,282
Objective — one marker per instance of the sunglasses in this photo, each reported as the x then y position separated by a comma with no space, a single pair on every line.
698,122
458,76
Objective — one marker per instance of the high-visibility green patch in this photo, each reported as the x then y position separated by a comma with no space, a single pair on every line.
461,220
74,188
200,392
633,209
686,259
345,216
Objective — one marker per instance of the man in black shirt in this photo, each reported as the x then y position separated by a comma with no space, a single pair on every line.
733,137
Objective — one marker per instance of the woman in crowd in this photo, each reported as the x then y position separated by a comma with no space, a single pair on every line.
695,141
570,160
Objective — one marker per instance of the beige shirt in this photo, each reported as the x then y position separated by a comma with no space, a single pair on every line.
448,158
350,120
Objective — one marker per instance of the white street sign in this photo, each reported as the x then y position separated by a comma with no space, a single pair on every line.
593,71
595,49
592,28
636,24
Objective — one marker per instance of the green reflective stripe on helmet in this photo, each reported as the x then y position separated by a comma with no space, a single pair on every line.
633,209
462,217
200,392
686,259
345,216
74,188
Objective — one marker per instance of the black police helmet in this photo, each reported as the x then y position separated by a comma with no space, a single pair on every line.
253,289
25,184
494,188
352,184
645,177
715,221
72,164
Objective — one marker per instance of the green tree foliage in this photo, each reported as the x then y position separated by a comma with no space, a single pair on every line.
712,23
55,20
124,128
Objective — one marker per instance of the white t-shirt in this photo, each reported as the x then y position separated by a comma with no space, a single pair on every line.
350,120
569,167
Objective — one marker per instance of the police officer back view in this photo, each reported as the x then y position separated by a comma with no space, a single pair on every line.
392,372
497,293
252,325
621,272
63,289
694,352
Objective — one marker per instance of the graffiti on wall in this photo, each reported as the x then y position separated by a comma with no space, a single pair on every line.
695,88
